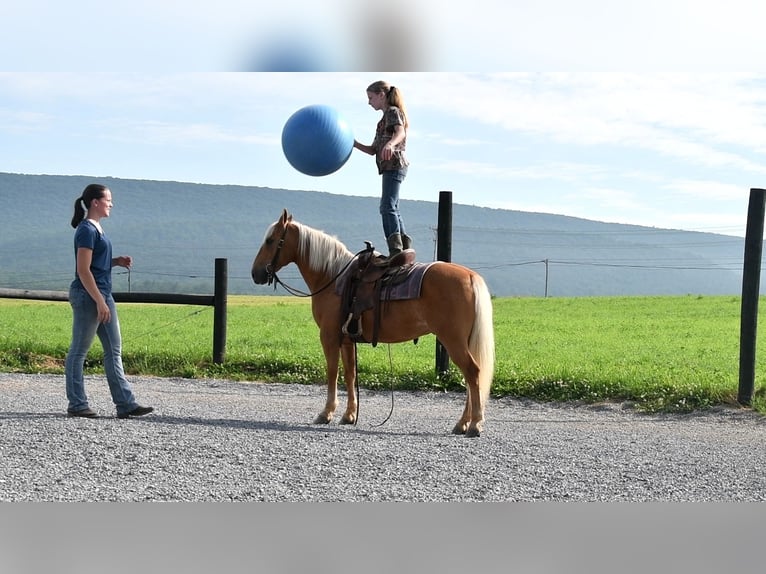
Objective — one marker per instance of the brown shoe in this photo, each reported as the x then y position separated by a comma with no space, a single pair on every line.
139,411
86,413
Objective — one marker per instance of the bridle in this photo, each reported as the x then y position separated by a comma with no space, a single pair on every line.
272,277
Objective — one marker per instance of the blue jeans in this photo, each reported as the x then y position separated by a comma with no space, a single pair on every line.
85,326
389,201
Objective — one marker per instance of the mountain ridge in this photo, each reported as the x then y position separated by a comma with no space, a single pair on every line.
174,230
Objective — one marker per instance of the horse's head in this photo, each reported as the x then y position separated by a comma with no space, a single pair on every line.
278,249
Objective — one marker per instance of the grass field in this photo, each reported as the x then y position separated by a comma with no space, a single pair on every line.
660,353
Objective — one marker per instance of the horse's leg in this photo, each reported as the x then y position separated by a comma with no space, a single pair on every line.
471,422
473,406
349,375
332,355
462,424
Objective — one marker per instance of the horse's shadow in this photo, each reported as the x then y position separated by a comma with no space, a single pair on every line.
256,425
228,423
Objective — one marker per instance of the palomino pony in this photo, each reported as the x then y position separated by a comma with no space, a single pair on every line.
454,304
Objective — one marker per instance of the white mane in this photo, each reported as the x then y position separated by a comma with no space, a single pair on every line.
323,252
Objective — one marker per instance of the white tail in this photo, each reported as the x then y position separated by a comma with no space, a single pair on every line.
482,340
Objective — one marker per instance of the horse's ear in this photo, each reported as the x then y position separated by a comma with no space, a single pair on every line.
286,217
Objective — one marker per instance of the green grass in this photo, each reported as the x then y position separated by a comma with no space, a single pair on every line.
660,353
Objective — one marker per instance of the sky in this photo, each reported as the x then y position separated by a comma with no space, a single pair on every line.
652,116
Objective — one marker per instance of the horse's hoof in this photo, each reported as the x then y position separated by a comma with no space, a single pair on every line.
348,420
459,428
322,419
472,432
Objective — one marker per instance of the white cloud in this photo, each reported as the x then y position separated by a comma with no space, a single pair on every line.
711,120
553,171
164,133
706,190
23,121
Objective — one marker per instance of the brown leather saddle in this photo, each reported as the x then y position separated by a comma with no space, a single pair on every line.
365,285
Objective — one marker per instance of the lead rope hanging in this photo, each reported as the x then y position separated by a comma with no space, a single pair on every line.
391,412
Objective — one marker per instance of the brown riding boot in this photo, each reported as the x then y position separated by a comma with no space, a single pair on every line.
406,241
394,245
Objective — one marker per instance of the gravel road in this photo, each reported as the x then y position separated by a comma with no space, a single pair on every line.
218,440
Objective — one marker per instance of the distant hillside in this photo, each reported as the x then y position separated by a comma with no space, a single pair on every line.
175,230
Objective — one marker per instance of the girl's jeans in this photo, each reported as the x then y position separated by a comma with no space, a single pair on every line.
85,327
389,201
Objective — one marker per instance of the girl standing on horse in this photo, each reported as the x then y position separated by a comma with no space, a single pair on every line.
388,147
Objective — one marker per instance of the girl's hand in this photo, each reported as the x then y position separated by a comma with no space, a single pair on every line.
124,261
387,152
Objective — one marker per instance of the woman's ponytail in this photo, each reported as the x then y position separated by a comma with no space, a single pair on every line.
82,203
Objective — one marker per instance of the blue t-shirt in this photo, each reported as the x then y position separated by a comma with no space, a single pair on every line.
88,236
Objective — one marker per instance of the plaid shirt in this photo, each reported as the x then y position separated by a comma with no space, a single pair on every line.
392,117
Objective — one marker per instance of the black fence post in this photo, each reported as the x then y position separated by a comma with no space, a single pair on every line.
219,310
751,281
443,253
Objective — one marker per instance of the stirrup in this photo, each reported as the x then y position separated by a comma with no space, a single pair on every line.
345,328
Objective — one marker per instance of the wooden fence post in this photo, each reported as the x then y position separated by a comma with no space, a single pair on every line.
219,310
751,281
443,253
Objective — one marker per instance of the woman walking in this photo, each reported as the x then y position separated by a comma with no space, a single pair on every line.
93,308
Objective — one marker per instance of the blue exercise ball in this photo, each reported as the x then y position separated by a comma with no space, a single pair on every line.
316,140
